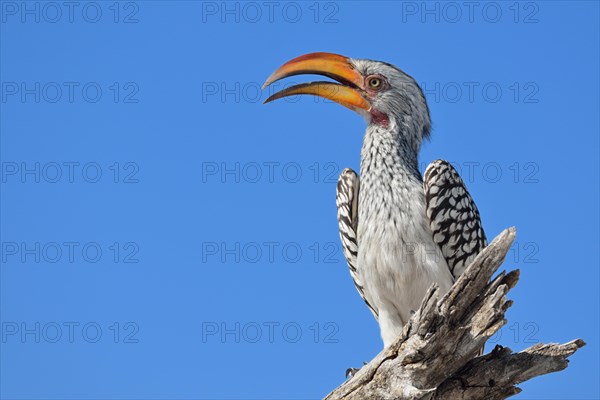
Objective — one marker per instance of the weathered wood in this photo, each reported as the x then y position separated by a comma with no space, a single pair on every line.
435,356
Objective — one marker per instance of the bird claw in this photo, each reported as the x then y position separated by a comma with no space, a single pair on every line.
350,372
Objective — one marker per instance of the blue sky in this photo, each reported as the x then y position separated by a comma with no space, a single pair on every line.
165,235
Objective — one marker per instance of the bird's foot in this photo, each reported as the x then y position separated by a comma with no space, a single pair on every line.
350,372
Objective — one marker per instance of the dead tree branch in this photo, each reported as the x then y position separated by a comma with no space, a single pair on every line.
435,356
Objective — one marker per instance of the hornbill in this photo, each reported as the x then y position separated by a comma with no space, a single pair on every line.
400,231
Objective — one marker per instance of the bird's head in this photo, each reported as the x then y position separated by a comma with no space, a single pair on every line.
385,95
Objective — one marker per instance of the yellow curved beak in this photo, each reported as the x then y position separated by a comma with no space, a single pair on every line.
348,92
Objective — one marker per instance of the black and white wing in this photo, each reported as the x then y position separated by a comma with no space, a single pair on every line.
453,216
347,211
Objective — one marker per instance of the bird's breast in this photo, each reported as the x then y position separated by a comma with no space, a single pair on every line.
397,257
391,215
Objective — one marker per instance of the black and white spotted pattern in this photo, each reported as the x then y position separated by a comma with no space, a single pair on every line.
347,202
453,216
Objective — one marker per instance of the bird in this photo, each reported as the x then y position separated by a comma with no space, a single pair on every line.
400,231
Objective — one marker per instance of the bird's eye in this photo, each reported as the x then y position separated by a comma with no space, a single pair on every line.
375,82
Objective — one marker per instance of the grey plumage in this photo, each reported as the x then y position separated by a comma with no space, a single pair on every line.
399,233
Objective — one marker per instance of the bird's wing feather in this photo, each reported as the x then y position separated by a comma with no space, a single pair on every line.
347,211
453,216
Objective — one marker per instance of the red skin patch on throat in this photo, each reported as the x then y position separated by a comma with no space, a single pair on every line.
379,118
